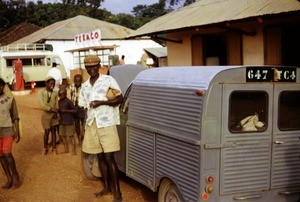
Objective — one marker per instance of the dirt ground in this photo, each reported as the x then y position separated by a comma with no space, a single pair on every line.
59,177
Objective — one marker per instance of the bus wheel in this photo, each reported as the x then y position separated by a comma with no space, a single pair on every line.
87,161
168,192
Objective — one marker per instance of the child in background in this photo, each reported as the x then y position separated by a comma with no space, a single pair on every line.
80,114
66,121
49,104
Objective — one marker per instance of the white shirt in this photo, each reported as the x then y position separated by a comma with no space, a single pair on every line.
56,74
104,115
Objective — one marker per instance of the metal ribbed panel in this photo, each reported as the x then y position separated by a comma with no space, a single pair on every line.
286,166
180,162
141,152
246,167
177,111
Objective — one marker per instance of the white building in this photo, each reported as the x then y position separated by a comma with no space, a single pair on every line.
61,35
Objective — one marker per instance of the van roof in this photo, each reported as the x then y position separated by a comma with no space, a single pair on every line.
185,77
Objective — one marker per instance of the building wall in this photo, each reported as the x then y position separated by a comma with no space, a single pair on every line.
132,49
179,54
253,49
272,37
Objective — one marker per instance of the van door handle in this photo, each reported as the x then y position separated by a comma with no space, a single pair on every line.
219,146
279,142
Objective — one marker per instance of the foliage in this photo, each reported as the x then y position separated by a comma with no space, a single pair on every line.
144,13
14,12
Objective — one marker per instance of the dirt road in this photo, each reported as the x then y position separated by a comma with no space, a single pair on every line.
59,177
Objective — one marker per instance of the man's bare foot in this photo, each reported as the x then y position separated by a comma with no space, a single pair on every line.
8,185
118,197
102,192
16,180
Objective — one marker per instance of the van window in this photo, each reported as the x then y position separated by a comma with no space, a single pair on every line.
289,110
248,111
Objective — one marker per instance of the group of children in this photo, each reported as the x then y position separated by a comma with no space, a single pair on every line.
62,112
58,110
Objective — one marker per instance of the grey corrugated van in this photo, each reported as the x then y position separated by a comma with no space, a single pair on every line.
214,133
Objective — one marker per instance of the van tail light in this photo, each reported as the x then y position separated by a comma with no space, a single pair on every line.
204,196
209,179
209,188
199,92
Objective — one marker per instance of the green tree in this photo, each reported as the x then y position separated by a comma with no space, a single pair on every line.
14,12
91,3
125,20
144,13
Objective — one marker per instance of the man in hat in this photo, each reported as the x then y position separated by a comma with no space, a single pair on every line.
9,131
101,135
48,100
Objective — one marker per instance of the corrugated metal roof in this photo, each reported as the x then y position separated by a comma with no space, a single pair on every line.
17,32
158,52
67,29
206,12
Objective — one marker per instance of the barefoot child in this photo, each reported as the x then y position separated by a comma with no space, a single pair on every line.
79,115
8,119
49,104
66,121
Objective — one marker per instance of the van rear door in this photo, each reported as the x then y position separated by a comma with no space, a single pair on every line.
246,164
286,137
261,122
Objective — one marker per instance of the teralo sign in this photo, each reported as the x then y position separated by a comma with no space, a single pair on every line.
88,37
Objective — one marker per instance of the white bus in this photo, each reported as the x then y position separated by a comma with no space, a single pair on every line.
36,59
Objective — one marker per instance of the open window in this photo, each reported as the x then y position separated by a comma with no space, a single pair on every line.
248,111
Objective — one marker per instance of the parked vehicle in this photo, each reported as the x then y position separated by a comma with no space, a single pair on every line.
36,60
213,133
124,75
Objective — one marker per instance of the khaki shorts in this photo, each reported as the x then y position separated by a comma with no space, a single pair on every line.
48,120
66,130
98,140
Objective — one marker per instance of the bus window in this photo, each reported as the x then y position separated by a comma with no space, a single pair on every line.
49,62
289,110
37,61
27,62
248,111
9,63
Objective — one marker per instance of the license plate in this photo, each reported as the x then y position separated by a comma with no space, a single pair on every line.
270,74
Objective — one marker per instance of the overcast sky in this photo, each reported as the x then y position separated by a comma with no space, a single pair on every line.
115,6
